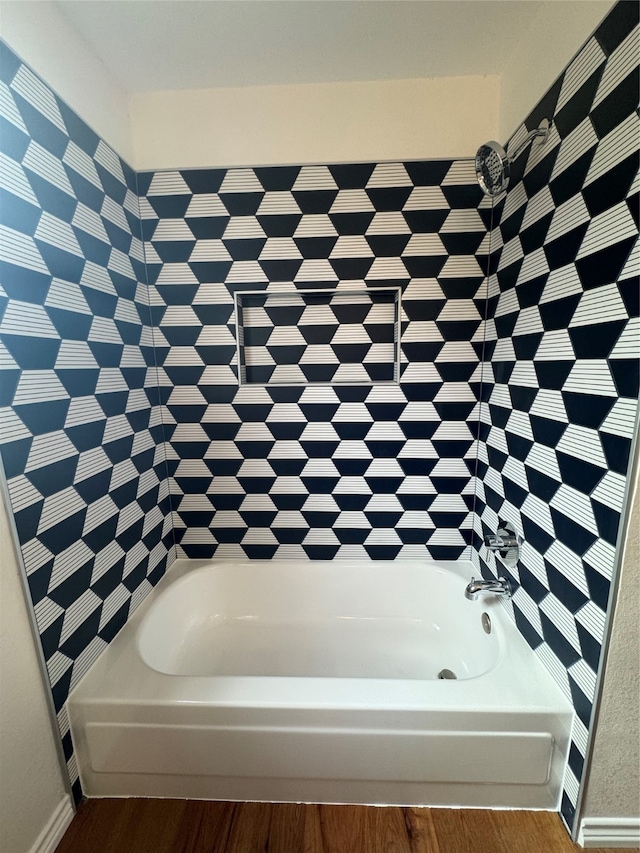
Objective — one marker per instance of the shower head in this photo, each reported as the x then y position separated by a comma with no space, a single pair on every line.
493,168
493,163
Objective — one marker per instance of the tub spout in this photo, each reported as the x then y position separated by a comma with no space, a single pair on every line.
492,587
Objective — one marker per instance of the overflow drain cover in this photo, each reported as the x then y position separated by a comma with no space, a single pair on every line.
446,673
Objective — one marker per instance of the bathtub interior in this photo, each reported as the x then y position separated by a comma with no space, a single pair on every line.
150,720
324,619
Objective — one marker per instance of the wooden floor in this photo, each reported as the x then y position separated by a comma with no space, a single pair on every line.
184,826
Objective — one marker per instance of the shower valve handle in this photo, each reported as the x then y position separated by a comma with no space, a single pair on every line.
500,541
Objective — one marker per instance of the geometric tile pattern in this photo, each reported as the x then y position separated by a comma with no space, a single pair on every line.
562,362
332,468
80,430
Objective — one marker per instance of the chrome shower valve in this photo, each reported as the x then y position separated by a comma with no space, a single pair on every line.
505,543
500,541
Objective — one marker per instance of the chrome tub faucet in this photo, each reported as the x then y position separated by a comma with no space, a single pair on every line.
481,587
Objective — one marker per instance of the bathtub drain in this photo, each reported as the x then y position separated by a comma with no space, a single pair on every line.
446,673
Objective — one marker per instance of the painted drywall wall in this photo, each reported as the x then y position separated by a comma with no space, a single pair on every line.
614,780
319,123
270,125
31,783
541,52
42,37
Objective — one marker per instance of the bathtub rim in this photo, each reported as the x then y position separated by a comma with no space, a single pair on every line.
143,684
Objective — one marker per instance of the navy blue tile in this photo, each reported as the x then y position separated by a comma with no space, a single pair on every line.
27,522
571,180
630,293
198,180
604,266
558,314
273,178
9,63
14,141
171,206
321,552
571,534
273,225
427,173
389,198
612,187
32,353
587,410
78,130
317,201
460,288
563,250
579,105
464,243
50,479
619,104
50,637
260,552
622,18
242,204
113,187
580,702
576,761
558,643
352,176
553,374
625,375
572,598
349,223
133,580
18,214
40,129
616,450
540,175
117,621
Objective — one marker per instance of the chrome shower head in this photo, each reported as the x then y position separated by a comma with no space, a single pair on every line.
493,163
493,168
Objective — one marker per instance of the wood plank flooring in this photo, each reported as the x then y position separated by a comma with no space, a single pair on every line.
190,826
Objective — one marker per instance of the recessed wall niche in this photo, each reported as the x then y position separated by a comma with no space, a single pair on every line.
337,336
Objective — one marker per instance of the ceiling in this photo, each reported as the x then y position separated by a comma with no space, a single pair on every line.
155,45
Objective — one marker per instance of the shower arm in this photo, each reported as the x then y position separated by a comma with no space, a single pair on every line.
542,130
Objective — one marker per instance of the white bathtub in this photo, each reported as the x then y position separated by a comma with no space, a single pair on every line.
318,682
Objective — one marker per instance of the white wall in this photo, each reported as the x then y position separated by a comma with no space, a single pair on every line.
41,36
32,792
270,125
314,123
541,53
613,788
375,120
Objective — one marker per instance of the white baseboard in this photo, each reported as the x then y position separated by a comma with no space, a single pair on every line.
623,832
56,827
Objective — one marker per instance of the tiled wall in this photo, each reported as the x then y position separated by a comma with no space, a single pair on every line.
320,470
561,378
80,433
